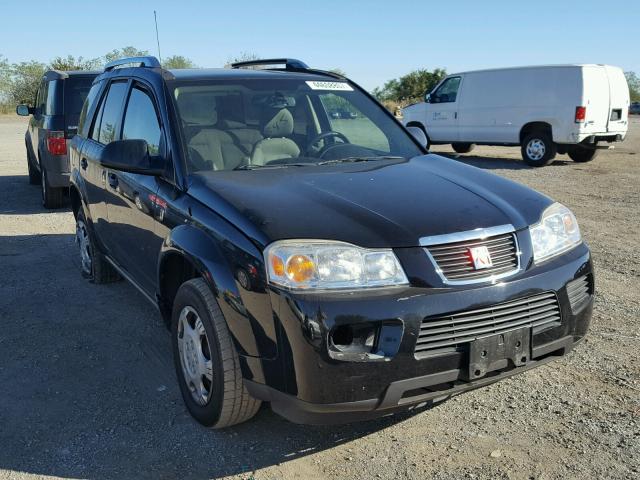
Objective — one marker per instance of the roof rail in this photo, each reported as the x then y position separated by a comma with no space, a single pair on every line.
289,63
149,62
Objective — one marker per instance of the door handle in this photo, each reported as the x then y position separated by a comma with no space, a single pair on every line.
113,180
84,164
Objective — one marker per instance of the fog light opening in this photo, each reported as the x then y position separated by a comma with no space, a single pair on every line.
342,336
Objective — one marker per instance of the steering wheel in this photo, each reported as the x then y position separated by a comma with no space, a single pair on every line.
324,136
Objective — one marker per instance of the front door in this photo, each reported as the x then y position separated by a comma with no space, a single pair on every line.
442,112
132,203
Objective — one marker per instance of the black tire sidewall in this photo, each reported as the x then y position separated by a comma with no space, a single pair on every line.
92,248
581,154
207,414
550,149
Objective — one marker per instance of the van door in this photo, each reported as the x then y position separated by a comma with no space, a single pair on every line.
442,111
596,99
618,100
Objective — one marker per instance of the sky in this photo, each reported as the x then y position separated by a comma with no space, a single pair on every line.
372,41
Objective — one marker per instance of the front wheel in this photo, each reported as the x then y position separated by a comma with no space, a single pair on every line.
581,154
538,149
206,360
463,147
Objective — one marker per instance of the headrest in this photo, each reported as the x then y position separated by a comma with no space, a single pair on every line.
197,109
278,124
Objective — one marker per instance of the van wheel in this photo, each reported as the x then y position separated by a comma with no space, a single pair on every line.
581,154
93,265
538,149
51,197
463,147
34,175
206,361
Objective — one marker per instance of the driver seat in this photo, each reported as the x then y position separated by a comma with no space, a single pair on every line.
276,145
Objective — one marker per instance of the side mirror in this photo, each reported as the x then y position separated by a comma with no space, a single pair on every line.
130,156
419,135
24,110
427,98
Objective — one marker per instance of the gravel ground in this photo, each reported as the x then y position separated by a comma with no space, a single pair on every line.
87,388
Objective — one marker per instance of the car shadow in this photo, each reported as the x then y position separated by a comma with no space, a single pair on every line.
498,163
88,389
21,198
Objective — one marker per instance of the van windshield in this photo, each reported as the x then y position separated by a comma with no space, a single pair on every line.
256,123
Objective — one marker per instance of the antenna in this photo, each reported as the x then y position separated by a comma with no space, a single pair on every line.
155,17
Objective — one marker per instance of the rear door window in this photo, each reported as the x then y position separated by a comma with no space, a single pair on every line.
106,126
141,120
90,100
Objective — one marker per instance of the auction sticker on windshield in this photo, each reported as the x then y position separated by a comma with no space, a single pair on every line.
316,85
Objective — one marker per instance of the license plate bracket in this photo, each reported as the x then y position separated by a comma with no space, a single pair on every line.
498,351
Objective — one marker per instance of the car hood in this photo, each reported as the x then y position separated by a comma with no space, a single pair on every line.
384,203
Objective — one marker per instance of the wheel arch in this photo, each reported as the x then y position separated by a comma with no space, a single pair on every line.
188,252
527,128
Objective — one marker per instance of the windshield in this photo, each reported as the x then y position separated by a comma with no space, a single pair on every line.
256,123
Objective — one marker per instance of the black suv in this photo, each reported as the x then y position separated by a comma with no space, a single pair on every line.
55,120
333,269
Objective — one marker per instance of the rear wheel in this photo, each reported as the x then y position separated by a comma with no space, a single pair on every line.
538,149
206,361
581,154
51,197
463,147
34,175
93,265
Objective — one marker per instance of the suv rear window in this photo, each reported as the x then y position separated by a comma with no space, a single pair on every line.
76,90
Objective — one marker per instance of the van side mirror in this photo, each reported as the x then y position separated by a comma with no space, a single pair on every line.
24,110
427,98
419,135
130,156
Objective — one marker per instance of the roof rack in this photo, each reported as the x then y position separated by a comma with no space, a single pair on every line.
149,62
289,63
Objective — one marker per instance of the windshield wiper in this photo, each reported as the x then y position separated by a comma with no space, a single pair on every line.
359,159
277,165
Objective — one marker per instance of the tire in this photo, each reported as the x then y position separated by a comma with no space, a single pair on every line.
538,149
93,265
34,175
581,154
206,361
51,197
463,147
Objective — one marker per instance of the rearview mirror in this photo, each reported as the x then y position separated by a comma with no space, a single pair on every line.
24,110
419,135
130,156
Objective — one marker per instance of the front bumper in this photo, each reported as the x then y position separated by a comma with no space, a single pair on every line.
309,383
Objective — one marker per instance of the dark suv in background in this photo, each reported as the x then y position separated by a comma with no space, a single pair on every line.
333,269
54,120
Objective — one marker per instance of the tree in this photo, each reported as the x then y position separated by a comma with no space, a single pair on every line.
410,87
72,63
634,85
243,57
24,80
178,61
124,52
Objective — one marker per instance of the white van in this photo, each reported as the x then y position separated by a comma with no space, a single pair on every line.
544,109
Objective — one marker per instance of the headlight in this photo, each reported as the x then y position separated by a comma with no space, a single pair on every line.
318,264
557,232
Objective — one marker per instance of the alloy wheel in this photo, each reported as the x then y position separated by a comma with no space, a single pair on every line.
84,244
195,355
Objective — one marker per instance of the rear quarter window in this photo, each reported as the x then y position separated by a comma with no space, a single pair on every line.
88,104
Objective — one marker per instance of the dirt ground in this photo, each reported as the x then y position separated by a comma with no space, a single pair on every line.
87,388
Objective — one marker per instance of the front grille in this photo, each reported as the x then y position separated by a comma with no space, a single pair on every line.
448,332
454,261
578,291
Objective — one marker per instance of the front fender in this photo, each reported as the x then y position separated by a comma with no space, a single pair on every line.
248,312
